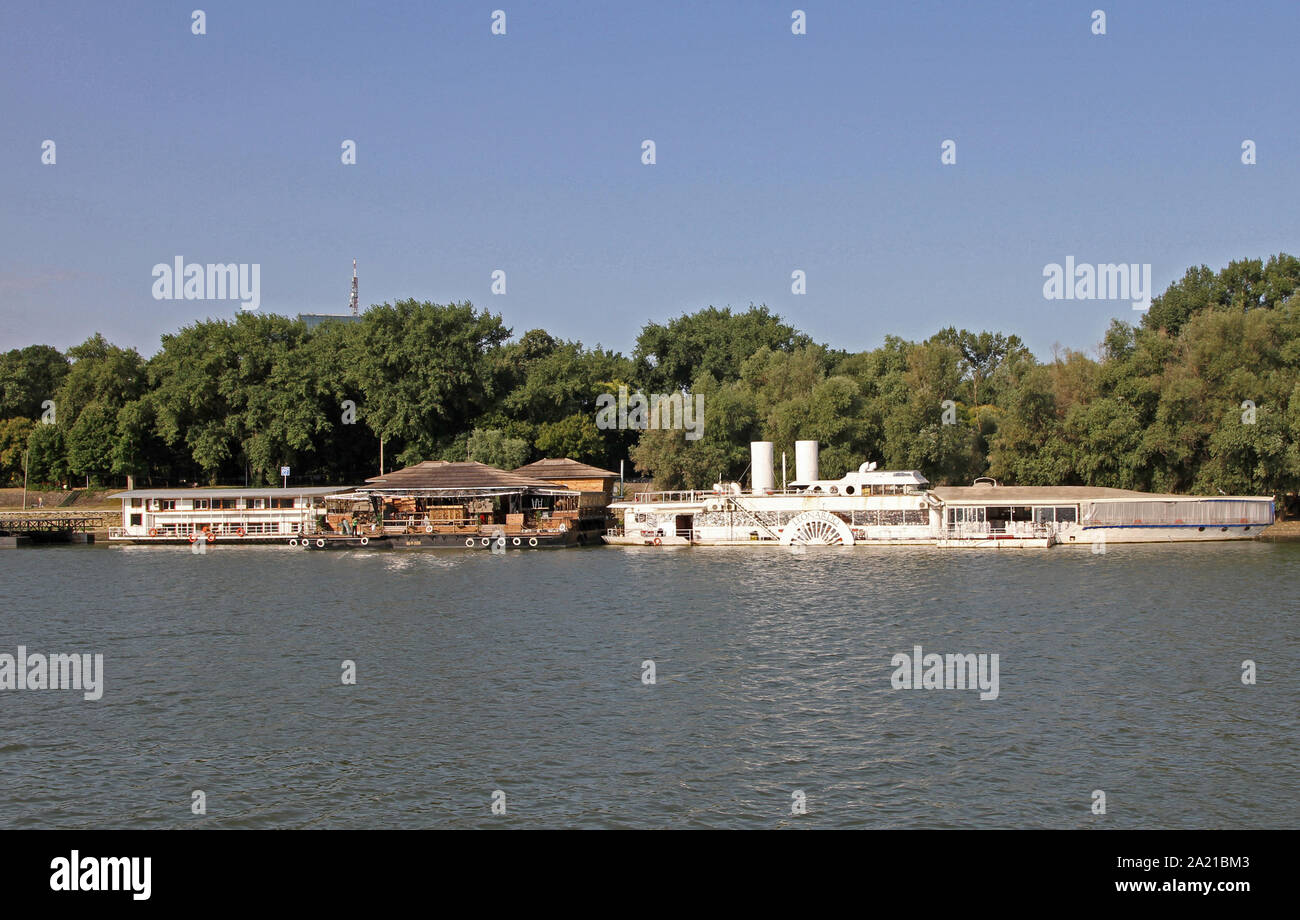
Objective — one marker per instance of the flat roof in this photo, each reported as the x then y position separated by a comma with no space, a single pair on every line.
228,492
1029,495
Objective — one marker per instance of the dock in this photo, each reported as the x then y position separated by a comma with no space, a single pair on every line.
26,528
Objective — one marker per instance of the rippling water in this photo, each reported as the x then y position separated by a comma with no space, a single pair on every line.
522,672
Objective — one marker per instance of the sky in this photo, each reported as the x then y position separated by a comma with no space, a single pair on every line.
522,152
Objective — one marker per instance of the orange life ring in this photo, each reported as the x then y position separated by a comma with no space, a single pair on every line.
658,542
212,537
153,531
241,532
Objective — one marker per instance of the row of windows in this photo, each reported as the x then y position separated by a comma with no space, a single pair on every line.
869,490
1041,515
213,504
891,517
254,527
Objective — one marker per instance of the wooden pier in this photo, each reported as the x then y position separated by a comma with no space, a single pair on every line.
24,528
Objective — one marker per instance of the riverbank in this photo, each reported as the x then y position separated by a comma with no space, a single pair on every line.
1281,532
61,499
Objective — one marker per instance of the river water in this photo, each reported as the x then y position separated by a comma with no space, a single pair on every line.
523,673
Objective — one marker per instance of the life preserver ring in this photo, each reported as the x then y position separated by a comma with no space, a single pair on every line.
517,541
241,532
532,541
501,542
305,543
212,538
320,542
484,541
428,528
469,541
194,538
293,541
365,541
658,542
153,531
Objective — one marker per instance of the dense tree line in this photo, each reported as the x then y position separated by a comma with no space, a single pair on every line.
1202,395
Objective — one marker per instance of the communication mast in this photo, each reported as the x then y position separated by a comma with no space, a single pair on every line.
353,302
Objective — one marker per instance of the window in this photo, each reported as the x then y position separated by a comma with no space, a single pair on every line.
963,515
1067,514
282,503
224,503
137,520
258,503
202,504
165,504
137,502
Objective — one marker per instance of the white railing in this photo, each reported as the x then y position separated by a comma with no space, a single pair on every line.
976,531
686,496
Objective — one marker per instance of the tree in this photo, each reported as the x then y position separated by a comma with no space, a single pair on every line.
981,353
28,377
721,451
495,449
575,437
47,461
423,371
14,435
710,341
90,442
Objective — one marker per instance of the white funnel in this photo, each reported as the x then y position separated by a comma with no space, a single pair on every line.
805,461
761,476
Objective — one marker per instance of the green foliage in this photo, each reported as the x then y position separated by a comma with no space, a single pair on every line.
575,437
720,452
1163,406
28,377
710,341
14,435
494,448
48,460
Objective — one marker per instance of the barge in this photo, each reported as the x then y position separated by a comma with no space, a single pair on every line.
440,504
238,515
877,507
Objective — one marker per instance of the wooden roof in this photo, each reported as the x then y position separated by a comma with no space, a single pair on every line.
564,468
447,475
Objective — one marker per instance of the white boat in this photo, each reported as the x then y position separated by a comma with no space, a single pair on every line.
877,507
252,515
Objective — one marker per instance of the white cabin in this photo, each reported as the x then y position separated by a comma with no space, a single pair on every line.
897,507
255,515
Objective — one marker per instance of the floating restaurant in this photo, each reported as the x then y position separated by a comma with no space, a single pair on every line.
897,507
561,502
262,515
444,504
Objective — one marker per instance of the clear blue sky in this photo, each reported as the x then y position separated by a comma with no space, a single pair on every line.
522,152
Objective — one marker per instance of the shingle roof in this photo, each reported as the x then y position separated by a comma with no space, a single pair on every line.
444,474
564,468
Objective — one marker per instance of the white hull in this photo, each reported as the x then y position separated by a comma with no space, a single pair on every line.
883,508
